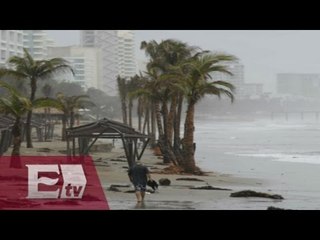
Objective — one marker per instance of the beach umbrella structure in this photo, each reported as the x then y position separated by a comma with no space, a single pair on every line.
88,134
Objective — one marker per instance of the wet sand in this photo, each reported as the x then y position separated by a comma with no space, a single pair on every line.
177,196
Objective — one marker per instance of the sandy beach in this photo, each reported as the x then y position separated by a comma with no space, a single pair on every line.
112,169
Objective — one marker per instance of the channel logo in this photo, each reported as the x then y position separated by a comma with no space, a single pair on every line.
51,182
74,181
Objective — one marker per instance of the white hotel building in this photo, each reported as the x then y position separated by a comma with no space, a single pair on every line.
11,44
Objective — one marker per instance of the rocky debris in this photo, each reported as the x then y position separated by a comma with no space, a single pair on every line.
164,182
113,189
133,191
275,208
117,160
190,179
154,168
102,165
44,150
171,170
250,193
209,188
119,185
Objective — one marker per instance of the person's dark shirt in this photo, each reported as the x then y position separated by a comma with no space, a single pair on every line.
138,173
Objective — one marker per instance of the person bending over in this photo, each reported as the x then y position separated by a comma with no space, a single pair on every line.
139,175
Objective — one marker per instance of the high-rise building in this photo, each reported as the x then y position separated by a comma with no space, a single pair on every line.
11,44
237,77
298,85
117,51
37,43
242,89
85,63
106,41
126,54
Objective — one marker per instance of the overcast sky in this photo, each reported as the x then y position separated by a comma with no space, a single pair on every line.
263,53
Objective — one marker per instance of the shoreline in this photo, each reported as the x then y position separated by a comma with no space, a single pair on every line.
112,169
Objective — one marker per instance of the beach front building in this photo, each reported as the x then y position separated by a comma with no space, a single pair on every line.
106,41
117,54
298,85
11,44
86,63
126,55
243,89
37,43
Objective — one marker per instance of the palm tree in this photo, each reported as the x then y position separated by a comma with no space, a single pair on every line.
17,105
195,85
33,70
47,91
162,56
69,105
123,94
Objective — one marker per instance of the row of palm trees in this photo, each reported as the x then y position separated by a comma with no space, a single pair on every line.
28,69
14,103
178,76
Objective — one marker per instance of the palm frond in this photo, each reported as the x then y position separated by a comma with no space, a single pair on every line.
47,102
225,84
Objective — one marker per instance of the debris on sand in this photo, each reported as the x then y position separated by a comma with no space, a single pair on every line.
275,208
190,179
250,193
209,188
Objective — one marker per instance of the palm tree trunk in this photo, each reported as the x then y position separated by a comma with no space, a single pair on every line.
171,116
140,113
29,116
124,111
177,123
188,162
15,154
28,130
130,112
166,143
146,121
153,124
161,132
71,118
64,127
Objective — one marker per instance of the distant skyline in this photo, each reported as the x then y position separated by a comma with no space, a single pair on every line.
264,53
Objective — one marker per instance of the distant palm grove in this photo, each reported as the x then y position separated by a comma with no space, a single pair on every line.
177,77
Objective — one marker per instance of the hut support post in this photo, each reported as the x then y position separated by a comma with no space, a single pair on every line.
143,148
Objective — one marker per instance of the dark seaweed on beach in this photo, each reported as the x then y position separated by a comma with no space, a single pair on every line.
190,179
250,193
209,188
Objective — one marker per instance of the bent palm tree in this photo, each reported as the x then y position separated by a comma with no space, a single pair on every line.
69,105
33,70
13,103
195,85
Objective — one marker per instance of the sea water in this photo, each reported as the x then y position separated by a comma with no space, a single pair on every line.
285,155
